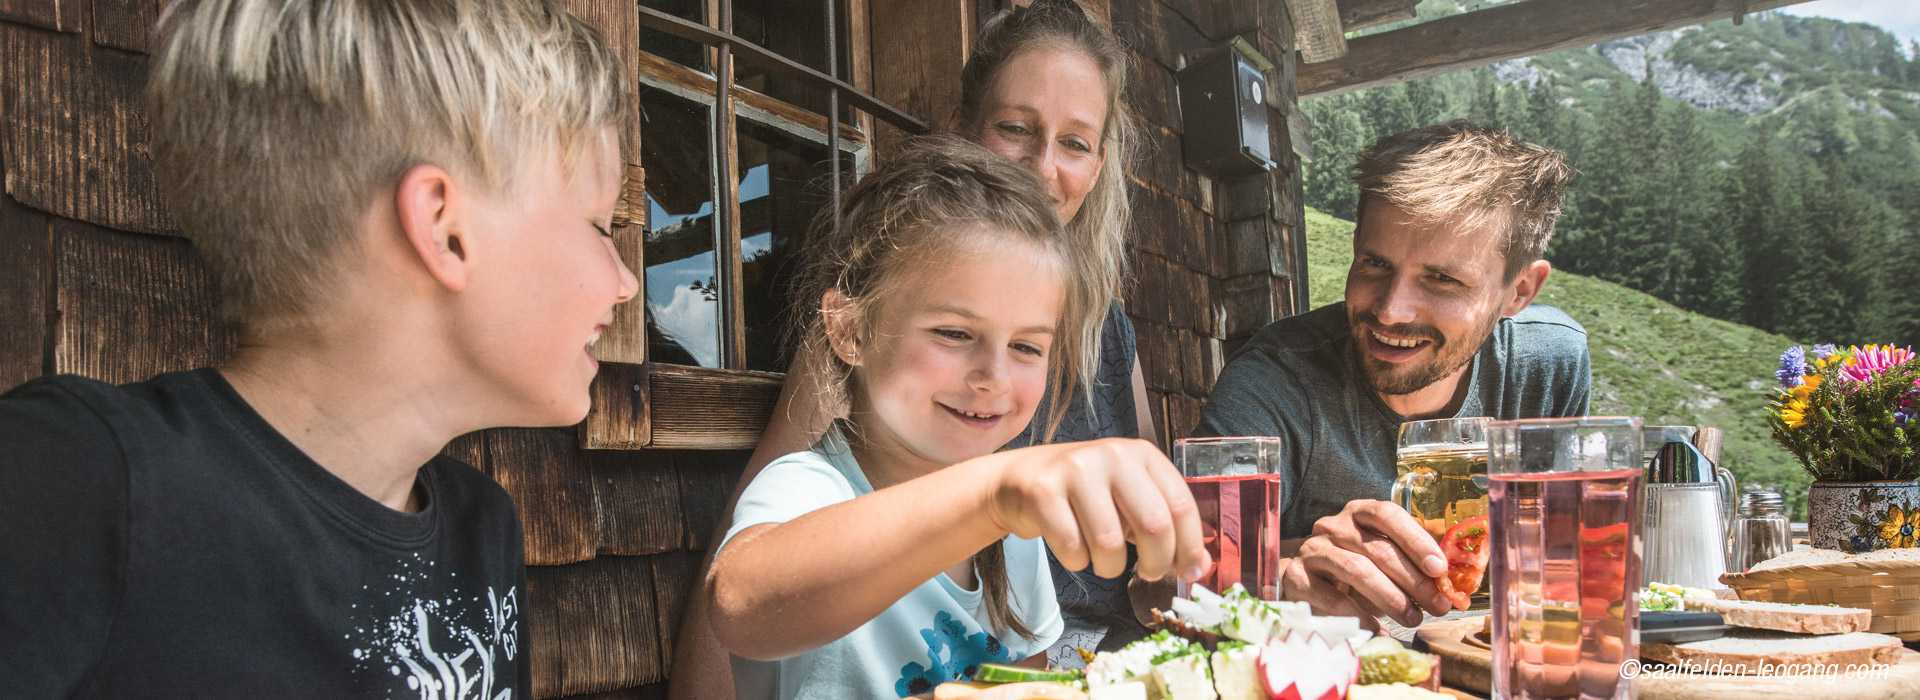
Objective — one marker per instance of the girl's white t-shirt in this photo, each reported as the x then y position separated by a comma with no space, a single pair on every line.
936,633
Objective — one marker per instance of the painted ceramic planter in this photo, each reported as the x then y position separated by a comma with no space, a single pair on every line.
1863,516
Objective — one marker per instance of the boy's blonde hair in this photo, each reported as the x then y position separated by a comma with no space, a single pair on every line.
277,122
1474,177
939,195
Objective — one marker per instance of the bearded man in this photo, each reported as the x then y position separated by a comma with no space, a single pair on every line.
1438,322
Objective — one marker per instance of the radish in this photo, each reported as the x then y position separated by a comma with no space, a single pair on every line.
1307,667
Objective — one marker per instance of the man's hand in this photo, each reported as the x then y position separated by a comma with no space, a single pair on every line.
1368,560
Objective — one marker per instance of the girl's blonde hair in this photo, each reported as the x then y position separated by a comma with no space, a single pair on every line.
939,195
1100,228
276,122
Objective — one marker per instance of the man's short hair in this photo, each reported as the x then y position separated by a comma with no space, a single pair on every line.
275,123
1473,177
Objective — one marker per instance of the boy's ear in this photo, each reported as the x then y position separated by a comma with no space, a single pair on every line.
427,203
836,310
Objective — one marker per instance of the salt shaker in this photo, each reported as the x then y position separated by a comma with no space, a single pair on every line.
1760,532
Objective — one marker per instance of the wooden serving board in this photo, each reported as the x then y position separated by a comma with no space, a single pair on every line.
1467,664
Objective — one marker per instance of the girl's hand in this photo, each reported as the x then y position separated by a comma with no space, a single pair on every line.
1088,499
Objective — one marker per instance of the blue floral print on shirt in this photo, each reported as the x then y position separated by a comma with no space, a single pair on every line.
952,655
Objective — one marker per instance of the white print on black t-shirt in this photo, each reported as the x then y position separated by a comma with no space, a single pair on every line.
446,649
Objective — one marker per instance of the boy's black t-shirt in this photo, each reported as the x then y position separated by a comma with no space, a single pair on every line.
160,539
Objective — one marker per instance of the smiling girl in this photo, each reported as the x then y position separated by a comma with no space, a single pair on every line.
948,304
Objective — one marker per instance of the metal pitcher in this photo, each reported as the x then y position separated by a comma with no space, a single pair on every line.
1689,510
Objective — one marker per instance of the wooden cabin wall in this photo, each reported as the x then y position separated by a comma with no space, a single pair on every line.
96,280
1212,257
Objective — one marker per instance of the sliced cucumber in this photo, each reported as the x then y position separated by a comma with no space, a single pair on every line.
998,673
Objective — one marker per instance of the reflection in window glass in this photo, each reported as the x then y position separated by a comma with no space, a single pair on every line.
783,183
683,302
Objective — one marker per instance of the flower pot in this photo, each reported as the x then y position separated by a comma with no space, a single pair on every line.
1863,516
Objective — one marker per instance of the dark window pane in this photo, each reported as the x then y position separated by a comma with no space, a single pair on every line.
796,29
683,304
687,53
783,183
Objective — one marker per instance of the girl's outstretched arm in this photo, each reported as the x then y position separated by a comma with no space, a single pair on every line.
780,589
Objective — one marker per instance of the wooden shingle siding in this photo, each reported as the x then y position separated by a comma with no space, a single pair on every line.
125,24
637,500
26,278
75,139
594,626
132,306
57,16
553,490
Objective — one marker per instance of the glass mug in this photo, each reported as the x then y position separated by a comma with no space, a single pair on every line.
1235,483
1442,466
1566,547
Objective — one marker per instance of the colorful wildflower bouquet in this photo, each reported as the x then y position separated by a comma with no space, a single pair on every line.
1850,414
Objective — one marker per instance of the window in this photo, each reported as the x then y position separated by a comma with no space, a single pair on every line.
753,119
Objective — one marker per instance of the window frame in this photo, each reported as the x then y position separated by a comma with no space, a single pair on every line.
634,405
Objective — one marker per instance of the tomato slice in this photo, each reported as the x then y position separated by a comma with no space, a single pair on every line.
1466,549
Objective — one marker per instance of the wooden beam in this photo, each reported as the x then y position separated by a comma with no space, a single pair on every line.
1506,31
709,409
1360,14
1316,28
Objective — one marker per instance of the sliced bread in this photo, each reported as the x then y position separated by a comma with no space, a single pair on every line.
1788,617
1760,652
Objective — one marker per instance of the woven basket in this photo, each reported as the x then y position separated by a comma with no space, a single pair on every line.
1886,582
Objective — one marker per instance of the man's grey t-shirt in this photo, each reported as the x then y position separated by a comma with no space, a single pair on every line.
1299,379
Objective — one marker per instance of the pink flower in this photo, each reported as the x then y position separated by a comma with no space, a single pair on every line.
1870,361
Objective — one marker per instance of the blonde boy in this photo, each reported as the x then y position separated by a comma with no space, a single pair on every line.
406,205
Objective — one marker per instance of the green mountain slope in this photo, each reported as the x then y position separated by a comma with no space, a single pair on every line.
1650,359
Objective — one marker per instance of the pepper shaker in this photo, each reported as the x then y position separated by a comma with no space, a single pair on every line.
1761,531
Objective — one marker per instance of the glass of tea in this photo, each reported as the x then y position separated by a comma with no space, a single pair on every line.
1442,467
1566,508
1236,485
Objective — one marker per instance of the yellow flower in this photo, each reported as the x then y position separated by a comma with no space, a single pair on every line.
1807,387
1897,530
1794,412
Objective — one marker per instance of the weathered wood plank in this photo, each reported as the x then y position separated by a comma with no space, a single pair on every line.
1158,401
26,282
1187,293
58,16
1192,377
552,489
710,409
1242,305
1316,26
1245,247
1159,357
1360,14
75,139
1162,35
620,418
1153,97
1151,298
594,627
1501,32
619,22
707,481
675,576
637,495
131,306
1183,413
651,691
917,66
125,24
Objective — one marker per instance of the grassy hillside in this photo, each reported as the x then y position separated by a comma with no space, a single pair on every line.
1650,359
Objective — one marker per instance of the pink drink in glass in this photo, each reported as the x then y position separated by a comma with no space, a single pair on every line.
1240,524
1565,559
